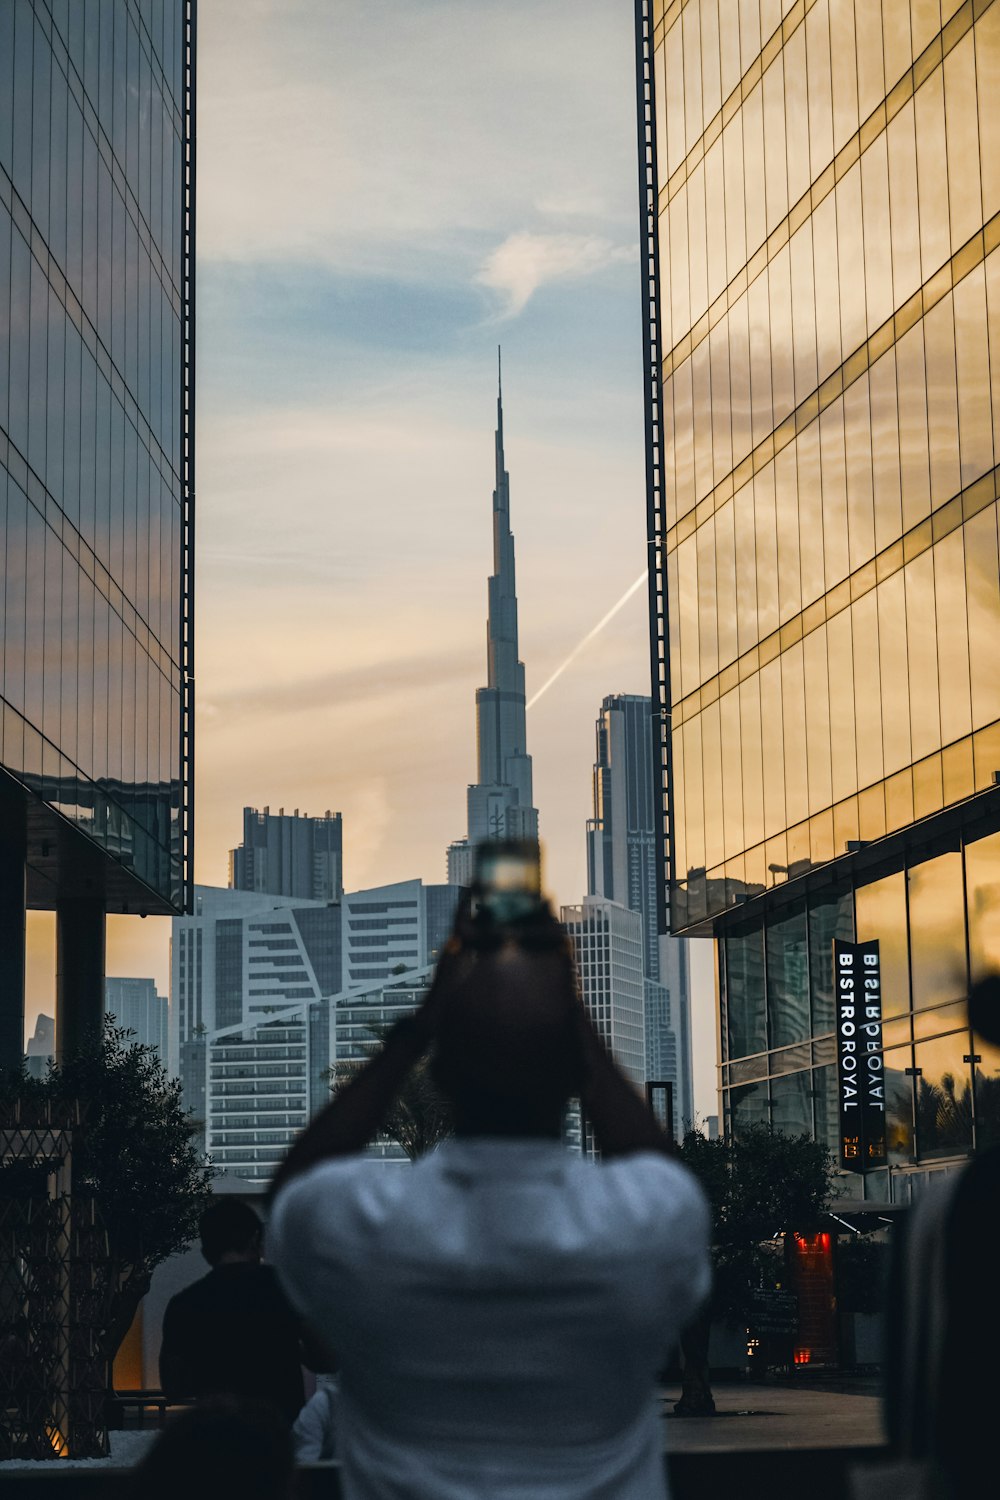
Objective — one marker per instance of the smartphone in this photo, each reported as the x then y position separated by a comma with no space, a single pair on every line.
507,883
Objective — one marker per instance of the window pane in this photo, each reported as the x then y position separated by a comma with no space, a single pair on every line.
787,980
932,175
817,720
942,401
827,1106
972,351
748,1105
893,673
982,875
744,995
885,451
791,1104
937,930
773,749
921,643
944,1096
842,721
881,913
953,642
912,398
830,919
899,1104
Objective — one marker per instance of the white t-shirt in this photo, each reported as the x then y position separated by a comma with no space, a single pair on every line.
499,1311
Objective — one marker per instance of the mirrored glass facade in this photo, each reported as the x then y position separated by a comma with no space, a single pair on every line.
935,910
822,186
96,448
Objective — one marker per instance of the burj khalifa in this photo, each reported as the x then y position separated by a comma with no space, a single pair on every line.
500,803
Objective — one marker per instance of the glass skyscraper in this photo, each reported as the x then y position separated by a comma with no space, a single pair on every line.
96,478
622,866
821,196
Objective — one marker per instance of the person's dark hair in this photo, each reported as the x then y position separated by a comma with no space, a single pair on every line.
507,1054
227,1225
225,1445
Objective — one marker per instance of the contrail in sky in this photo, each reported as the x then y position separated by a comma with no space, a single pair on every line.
589,637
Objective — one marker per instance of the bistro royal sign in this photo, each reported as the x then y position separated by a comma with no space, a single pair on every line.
860,1075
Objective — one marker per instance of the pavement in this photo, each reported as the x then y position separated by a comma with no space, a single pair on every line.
750,1415
778,1415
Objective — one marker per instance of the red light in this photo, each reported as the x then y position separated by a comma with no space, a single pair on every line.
802,1356
824,1240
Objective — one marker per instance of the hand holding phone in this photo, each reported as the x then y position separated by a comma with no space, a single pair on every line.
507,883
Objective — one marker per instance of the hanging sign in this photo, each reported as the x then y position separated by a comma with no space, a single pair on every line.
860,1076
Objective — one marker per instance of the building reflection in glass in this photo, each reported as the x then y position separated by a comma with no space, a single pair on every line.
94,266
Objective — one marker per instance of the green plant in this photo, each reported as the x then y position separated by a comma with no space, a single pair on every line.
758,1186
133,1158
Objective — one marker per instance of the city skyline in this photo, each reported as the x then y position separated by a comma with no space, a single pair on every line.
346,381
346,385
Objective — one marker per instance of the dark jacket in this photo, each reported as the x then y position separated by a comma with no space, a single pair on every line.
233,1333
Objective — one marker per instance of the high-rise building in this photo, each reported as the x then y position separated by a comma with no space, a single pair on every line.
622,862
607,943
289,856
96,482
500,804
255,983
391,929
821,229
41,1047
623,865
250,980
136,1005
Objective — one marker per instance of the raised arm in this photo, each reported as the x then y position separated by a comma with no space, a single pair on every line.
355,1115
621,1118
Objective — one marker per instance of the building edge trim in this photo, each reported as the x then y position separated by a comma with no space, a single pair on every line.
187,716
656,530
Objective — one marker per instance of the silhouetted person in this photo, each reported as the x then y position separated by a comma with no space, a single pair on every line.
224,1446
233,1332
943,1377
500,1309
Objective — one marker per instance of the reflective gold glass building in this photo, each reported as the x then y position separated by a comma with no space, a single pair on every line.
821,181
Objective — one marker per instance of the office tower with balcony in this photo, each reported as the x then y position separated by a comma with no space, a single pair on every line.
500,804
97,175
289,856
820,188
257,981
250,980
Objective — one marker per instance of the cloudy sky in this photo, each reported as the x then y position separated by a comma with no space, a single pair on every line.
387,189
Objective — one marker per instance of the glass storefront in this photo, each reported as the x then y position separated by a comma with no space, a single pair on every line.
935,919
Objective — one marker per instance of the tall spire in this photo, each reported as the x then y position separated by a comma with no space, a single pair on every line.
501,801
500,473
